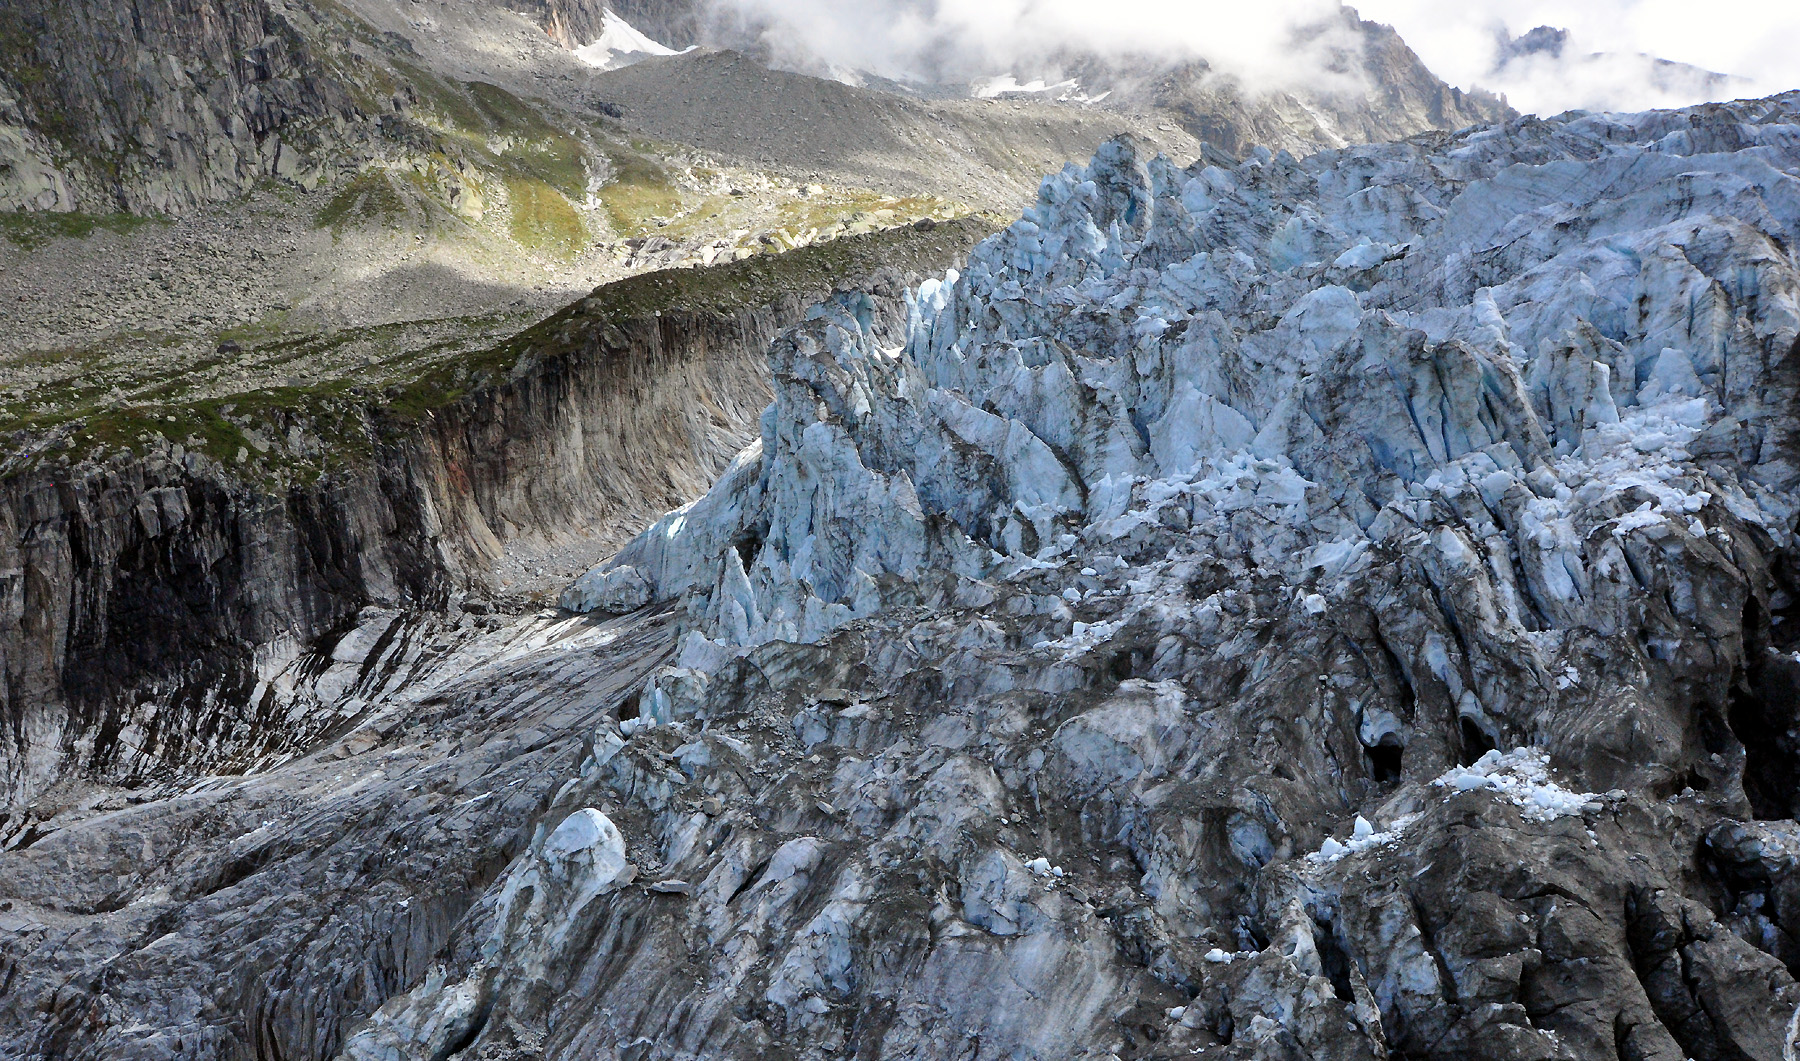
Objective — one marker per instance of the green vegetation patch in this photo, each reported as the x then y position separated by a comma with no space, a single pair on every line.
543,220
31,231
538,149
640,192
445,99
368,197
248,430
394,199
502,132
763,278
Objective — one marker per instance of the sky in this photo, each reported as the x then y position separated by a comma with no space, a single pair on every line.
1757,41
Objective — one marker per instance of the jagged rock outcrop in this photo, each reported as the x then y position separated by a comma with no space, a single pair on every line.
165,614
573,23
158,105
1382,91
1333,608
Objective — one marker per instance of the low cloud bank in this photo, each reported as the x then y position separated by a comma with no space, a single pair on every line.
1609,54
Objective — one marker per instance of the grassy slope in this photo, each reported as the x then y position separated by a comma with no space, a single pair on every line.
290,433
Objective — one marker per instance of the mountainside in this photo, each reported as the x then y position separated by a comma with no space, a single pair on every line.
1370,85
161,106
989,152
196,186
178,574
397,176
1335,607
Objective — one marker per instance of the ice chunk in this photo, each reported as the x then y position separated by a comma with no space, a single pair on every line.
1522,778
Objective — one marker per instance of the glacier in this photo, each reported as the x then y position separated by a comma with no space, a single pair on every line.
1339,607
1438,494
1527,357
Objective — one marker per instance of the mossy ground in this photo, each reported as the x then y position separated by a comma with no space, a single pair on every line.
328,385
542,220
30,231
368,198
640,192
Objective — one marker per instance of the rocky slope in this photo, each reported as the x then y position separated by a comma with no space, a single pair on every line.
171,570
985,153
1333,608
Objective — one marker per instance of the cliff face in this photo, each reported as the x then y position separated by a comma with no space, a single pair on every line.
163,616
156,105
140,594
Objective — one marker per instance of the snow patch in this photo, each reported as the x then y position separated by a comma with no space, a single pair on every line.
620,44
1363,837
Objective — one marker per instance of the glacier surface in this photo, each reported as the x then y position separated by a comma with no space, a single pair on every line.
1341,607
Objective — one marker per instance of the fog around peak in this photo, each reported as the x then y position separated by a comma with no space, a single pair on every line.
1613,54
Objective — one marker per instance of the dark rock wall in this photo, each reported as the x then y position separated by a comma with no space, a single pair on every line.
156,105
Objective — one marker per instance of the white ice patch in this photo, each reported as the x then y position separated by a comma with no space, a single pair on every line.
1522,778
620,44
1363,837
1083,637
1068,91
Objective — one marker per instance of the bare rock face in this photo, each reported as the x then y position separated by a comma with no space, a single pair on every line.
1335,608
156,105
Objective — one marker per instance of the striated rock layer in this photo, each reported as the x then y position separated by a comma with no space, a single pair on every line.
1336,608
165,613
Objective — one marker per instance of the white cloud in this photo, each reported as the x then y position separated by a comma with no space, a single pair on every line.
1750,39
953,40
